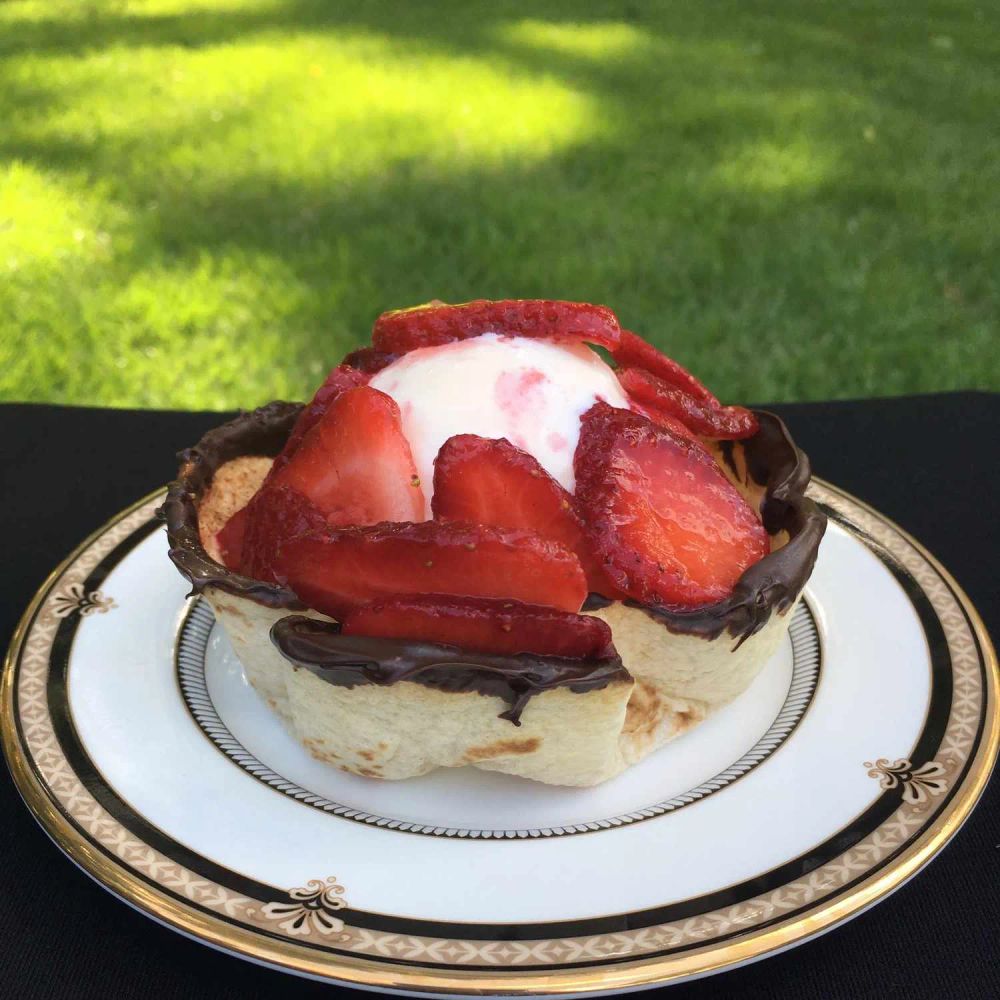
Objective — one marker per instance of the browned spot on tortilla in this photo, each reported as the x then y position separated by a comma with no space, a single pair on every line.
368,772
235,612
648,713
367,754
503,748
314,746
644,710
686,720
232,486
314,751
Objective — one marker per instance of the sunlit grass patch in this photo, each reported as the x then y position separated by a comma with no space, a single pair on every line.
773,167
43,219
206,203
600,40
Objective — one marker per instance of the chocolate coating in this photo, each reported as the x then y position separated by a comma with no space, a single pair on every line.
347,661
260,432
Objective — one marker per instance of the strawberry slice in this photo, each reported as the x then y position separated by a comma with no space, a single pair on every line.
671,528
667,422
355,465
402,330
490,481
483,625
336,571
342,378
275,514
367,359
230,540
710,419
634,352
351,466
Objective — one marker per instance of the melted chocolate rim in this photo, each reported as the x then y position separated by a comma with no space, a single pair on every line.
346,661
771,585
258,432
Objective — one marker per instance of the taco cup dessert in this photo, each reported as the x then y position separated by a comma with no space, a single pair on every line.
479,543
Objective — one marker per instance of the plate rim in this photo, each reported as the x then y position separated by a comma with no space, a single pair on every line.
373,974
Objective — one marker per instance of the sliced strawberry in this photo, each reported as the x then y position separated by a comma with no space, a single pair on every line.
355,465
634,352
342,378
403,330
710,419
230,540
671,528
367,359
667,422
336,571
483,625
489,481
275,514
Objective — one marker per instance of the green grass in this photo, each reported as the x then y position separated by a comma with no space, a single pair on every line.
206,204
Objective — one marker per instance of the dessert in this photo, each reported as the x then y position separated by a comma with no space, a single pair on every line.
479,543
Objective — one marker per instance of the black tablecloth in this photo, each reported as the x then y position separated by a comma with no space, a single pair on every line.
927,462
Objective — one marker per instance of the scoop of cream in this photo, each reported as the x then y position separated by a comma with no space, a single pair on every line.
531,392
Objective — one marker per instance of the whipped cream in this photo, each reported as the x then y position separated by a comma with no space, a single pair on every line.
531,392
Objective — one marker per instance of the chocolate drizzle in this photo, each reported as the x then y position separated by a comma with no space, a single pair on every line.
346,661
771,585
260,432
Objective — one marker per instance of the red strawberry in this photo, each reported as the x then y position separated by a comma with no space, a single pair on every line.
355,464
338,381
483,625
633,352
230,540
667,422
275,514
710,419
669,525
486,481
336,571
367,359
403,330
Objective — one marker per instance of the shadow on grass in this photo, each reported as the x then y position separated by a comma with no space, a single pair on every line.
734,183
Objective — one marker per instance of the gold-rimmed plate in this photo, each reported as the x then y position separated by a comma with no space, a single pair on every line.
850,762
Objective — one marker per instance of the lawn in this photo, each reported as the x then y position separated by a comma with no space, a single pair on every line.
206,204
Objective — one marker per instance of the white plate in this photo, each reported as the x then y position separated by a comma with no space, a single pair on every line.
856,754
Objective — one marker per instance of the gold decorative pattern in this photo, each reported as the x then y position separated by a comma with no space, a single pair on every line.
918,784
73,598
310,910
319,913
